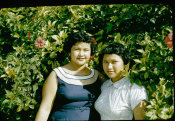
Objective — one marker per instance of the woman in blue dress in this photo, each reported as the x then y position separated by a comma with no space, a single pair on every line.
70,91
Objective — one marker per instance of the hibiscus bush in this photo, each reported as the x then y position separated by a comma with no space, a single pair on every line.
32,40
153,69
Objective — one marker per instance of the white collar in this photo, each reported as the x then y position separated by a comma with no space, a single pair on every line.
76,77
119,83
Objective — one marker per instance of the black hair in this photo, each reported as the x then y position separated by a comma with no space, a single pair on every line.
115,48
78,36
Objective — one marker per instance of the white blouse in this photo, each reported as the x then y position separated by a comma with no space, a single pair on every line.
117,100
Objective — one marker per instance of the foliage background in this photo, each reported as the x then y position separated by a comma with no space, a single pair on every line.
24,67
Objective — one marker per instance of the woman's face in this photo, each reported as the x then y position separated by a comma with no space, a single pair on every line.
113,65
80,53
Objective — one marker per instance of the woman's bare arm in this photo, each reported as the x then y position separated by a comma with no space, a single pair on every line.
139,110
48,97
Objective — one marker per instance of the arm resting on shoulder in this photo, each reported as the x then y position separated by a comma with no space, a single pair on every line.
139,110
48,97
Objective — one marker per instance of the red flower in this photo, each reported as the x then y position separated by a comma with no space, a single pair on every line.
28,35
94,41
92,57
169,40
39,43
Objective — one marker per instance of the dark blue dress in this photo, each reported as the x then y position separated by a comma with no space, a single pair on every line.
75,102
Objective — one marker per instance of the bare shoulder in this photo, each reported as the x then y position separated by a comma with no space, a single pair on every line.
52,74
51,79
50,86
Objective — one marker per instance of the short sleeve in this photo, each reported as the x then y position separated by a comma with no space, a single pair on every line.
138,93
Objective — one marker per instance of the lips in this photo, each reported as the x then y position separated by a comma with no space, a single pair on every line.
81,59
110,72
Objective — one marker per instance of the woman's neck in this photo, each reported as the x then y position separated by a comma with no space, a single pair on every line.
75,67
77,70
116,79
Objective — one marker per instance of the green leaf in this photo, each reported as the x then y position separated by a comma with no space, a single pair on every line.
53,23
137,61
26,108
147,37
99,38
126,71
4,75
62,34
158,43
152,114
52,55
35,87
164,113
169,29
19,17
32,106
27,82
117,37
5,101
140,50
49,62
146,75
49,23
109,27
19,108
155,71
16,35
55,37
18,69
100,32
143,69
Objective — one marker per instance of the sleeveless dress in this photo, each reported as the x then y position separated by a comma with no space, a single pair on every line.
75,102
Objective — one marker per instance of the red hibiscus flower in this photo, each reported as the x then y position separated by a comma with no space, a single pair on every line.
94,41
28,35
169,40
39,43
92,57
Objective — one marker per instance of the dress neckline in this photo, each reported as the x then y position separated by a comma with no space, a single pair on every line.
67,75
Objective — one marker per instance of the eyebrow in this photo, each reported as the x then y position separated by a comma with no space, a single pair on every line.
79,47
110,60
114,60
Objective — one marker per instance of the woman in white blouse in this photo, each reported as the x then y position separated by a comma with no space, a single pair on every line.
120,99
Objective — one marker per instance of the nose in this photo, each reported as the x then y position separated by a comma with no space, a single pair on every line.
81,53
109,66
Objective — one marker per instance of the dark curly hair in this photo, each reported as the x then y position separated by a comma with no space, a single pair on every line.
78,36
115,48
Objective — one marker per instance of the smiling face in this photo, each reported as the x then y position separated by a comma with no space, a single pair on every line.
113,65
80,53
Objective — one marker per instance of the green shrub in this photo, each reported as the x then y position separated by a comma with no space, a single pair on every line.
32,40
